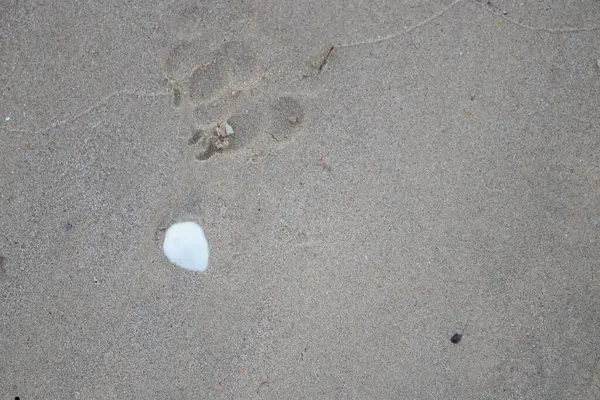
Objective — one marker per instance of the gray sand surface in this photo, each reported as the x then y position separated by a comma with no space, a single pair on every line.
438,173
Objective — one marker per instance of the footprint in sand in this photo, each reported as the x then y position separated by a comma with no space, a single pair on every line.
281,119
213,18
241,64
183,58
287,118
205,76
216,90
207,81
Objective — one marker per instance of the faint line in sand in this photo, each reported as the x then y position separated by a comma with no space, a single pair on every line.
443,11
406,30
530,27
93,107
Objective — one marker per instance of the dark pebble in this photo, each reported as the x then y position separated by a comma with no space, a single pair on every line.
456,338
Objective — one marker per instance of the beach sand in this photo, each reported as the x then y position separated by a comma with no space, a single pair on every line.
435,172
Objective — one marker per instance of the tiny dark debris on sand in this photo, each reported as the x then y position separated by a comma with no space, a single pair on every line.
456,338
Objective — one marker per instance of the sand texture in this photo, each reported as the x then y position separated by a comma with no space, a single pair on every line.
399,172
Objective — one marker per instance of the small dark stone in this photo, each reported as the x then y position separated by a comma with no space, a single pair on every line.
456,338
68,226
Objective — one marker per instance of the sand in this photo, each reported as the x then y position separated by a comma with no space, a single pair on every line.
436,173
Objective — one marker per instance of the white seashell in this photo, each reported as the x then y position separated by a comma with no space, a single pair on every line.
185,246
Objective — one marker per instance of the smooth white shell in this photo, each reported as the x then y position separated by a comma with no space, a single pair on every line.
185,246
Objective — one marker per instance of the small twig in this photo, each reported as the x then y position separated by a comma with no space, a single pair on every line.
272,135
263,383
326,58
322,163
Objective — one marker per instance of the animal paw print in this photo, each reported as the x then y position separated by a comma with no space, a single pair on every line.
218,94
